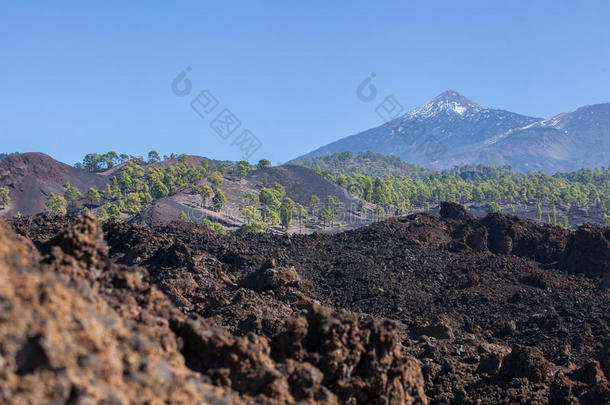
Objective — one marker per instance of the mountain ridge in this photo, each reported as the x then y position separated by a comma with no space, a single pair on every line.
452,130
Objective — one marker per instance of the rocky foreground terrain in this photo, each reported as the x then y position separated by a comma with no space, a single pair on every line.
414,310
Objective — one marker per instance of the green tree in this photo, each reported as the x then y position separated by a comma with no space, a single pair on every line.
243,168
153,157
314,203
326,216
5,198
214,226
554,215
301,214
205,192
254,220
102,215
72,194
280,190
133,203
94,196
114,212
91,162
333,205
159,190
539,211
252,198
253,227
492,207
287,210
183,216
107,193
56,205
270,216
263,164
110,159
219,200
269,197
251,213
215,179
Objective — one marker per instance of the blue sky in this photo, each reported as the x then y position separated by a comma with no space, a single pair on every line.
94,76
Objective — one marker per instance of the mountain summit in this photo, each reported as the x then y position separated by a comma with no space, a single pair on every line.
449,102
447,125
453,130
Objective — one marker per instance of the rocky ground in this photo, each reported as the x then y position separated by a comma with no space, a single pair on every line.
421,309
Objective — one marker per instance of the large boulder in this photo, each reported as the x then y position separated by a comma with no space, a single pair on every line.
588,251
526,362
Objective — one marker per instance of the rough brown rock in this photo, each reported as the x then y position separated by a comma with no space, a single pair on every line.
417,270
526,362
63,344
75,328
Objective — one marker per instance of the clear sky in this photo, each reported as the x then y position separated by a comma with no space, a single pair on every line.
93,76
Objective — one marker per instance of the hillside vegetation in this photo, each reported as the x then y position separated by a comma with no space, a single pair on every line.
396,187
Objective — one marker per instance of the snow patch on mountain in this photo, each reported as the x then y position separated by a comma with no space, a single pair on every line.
449,102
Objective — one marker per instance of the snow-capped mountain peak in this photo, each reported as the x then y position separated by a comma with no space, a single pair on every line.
449,102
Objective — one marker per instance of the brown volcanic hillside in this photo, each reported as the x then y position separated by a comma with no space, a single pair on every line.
496,309
32,177
300,183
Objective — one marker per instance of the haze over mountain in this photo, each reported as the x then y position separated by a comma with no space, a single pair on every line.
453,130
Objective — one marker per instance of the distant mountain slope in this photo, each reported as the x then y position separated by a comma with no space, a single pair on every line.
32,177
566,142
451,130
450,120
368,163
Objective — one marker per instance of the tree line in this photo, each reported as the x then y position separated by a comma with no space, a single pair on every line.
139,182
583,189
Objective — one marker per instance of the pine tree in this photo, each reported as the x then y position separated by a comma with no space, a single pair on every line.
263,163
219,200
153,157
5,198
301,215
314,203
492,207
243,168
287,210
215,179
56,205
94,196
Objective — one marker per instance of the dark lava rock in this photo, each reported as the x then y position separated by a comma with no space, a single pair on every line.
267,279
438,331
588,251
490,364
561,391
526,362
509,329
590,373
455,211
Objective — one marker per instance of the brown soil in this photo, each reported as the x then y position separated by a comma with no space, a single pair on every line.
32,177
454,308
